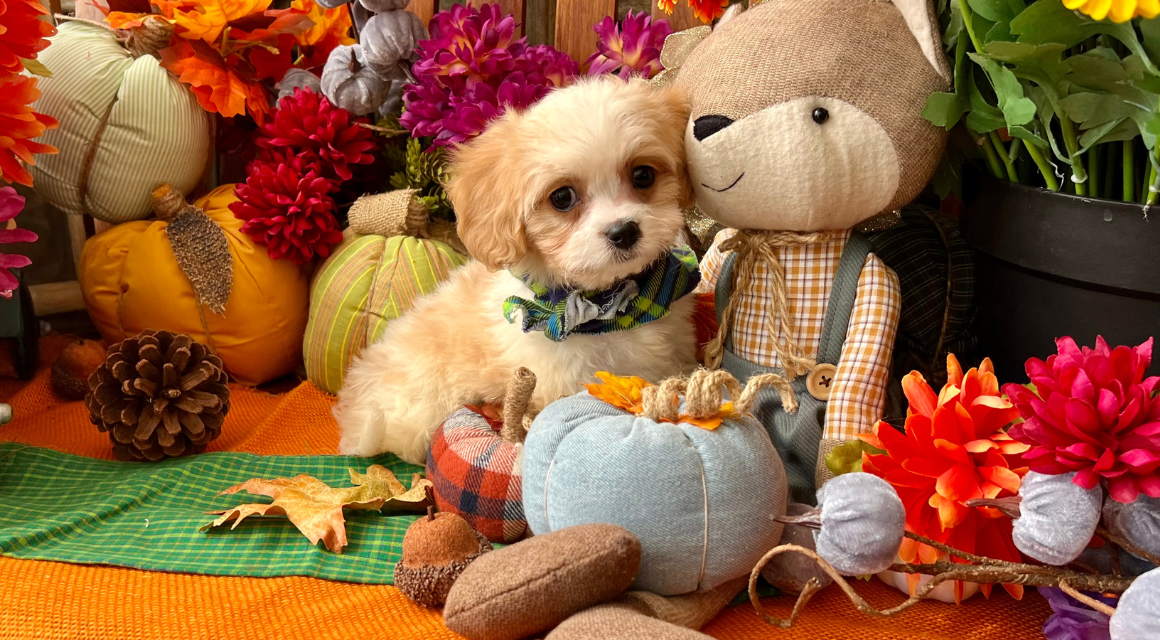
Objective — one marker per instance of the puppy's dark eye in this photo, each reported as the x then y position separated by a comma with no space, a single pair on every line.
821,115
564,199
643,177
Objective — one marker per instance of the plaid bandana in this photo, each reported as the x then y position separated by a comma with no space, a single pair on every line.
638,300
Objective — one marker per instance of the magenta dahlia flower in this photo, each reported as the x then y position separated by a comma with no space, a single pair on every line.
631,48
11,204
1093,412
286,205
472,69
308,121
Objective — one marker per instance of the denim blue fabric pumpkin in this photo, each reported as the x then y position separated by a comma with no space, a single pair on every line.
701,502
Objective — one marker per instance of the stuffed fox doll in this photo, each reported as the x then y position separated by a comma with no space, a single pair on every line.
806,121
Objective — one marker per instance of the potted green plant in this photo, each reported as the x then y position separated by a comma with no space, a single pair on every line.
1055,114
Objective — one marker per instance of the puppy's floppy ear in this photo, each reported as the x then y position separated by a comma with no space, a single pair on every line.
673,113
488,195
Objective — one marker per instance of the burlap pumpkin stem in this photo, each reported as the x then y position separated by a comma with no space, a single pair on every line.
200,246
159,395
401,213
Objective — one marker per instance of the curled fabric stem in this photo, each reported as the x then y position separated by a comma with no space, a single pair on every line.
704,397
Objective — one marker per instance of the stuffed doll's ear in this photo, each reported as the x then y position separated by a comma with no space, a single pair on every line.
923,22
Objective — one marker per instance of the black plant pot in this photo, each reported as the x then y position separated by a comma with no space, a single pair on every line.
1054,265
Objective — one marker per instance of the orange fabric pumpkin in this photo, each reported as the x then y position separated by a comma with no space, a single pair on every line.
131,281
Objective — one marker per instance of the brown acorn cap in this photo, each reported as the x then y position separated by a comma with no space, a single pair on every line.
439,540
72,368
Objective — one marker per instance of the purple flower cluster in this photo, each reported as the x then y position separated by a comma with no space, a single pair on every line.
632,48
474,68
1071,620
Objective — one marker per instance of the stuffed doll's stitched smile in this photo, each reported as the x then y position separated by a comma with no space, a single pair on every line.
726,188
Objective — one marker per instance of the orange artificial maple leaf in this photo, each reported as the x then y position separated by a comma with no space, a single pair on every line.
315,508
326,22
627,393
206,19
217,87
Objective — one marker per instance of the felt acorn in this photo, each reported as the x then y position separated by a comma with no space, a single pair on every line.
436,550
349,83
76,362
858,525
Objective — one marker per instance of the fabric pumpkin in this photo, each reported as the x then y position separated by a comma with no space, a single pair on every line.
126,126
131,282
476,475
371,278
701,502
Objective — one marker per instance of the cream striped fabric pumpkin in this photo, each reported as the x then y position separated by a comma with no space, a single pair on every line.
126,126
369,281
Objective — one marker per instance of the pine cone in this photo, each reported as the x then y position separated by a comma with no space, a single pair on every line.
159,395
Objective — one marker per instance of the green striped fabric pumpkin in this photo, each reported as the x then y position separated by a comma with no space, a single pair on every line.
126,126
369,281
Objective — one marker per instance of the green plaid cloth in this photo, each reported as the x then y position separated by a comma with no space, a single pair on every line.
647,296
56,506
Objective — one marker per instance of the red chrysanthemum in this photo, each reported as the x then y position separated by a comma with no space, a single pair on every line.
286,206
19,124
306,121
954,450
22,33
1094,413
10,205
630,48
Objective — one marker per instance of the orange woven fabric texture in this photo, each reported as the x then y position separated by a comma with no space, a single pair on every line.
59,601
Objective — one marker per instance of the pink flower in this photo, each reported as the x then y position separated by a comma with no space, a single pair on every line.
631,48
1095,414
11,204
468,114
555,66
472,44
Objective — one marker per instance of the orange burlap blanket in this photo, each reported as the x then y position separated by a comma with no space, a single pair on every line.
54,600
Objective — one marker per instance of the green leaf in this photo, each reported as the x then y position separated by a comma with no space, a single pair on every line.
1017,109
992,10
984,117
847,457
1048,21
1151,32
944,109
1109,132
36,67
1028,136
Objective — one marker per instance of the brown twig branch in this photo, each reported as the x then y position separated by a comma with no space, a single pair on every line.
383,130
1107,610
1127,546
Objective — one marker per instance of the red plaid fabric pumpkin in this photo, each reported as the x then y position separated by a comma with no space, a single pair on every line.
475,474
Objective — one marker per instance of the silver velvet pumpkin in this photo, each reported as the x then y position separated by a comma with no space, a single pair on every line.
390,38
862,524
1138,522
1058,517
298,79
348,82
1137,613
383,6
330,4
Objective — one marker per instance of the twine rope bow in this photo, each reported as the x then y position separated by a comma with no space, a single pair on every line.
753,247
703,397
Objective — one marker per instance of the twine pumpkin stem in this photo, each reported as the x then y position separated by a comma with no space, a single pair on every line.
704,398
515,405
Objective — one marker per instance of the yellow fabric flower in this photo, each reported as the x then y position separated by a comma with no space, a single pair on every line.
1117,10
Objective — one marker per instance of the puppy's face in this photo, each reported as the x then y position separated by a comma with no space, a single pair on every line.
583,189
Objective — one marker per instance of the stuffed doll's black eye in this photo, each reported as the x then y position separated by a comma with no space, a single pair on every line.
564,199
643,177
821,115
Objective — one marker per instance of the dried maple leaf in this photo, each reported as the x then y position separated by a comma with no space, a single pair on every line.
209,18
316,508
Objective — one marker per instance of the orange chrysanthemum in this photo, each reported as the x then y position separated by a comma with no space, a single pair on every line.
955,449
709,10
19,124
22,32
667,6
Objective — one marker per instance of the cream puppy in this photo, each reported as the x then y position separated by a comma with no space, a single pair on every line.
583,191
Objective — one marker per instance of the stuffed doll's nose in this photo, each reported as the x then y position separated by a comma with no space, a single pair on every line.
706,126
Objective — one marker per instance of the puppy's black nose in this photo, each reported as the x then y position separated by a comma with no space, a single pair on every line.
706,126
623,235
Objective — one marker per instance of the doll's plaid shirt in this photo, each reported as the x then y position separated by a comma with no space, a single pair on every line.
859,393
